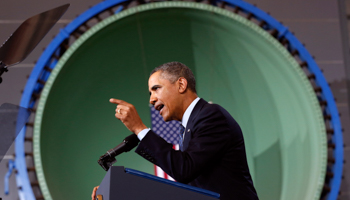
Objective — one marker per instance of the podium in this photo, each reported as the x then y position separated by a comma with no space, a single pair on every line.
127,184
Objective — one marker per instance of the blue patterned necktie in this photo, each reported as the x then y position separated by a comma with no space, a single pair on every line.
181,131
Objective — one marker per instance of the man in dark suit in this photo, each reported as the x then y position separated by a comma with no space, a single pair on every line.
213,154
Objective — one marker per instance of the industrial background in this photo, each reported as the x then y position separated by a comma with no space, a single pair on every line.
321,25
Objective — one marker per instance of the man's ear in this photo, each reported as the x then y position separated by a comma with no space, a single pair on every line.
182,85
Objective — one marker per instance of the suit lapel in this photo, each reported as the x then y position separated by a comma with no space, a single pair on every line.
189,127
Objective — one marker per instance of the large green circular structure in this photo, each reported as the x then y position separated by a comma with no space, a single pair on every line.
237,65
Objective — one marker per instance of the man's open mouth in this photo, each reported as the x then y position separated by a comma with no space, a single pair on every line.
159,107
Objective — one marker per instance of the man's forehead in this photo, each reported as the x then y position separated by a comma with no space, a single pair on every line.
157,79
153,78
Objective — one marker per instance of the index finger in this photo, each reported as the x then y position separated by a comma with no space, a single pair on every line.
117,101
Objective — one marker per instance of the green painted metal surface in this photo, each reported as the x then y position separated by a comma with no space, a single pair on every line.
236,64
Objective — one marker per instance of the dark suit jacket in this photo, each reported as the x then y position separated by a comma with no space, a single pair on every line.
214,155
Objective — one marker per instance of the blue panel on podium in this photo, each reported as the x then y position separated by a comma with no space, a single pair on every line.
176,184
129,184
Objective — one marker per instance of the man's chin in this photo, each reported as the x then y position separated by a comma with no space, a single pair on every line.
166,118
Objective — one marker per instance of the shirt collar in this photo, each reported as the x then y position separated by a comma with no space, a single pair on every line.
188,112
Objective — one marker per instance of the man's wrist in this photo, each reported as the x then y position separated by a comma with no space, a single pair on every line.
143,133
138,130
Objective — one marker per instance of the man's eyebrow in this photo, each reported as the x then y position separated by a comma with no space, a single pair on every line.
155,87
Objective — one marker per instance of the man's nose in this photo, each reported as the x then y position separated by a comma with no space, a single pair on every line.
152,99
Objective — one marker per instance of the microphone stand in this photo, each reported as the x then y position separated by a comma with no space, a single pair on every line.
108,159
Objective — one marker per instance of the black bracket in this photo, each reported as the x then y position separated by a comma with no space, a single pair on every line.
3,68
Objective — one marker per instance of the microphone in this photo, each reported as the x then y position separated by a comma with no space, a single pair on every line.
108,159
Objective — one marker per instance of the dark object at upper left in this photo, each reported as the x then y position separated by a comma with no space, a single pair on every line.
27,36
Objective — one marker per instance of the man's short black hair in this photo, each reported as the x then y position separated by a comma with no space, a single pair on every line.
172,71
